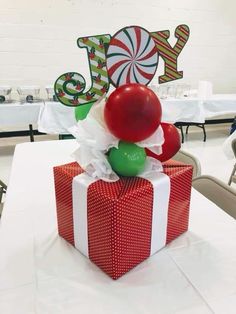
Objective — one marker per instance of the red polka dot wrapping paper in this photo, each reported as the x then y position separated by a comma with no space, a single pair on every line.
120,215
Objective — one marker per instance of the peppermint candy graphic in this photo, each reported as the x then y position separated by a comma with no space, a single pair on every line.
132,57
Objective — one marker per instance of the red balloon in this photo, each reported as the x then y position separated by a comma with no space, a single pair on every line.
171,145
132,112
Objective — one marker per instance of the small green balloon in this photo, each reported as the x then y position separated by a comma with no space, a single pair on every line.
82,111
128,159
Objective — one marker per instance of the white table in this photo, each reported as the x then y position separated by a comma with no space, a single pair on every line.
41,273
48,116
17,114
220,108
219,105
197,110
54,118
183,110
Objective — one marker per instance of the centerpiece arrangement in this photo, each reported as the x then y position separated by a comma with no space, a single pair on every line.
122,199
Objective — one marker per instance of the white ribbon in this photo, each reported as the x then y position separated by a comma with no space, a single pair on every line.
161,194
80,186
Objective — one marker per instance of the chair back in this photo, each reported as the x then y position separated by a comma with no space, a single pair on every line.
189,159
3,189
232,177
233,145
218,192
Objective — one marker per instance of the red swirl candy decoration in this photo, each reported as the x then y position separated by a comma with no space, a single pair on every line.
132,57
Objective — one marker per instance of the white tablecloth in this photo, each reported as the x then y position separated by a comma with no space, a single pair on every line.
218,105
183,110
55,118
17,114
41,273
197,110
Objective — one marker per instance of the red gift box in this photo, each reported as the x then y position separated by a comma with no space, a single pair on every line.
119,215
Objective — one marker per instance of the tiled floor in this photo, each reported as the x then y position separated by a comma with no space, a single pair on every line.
210,154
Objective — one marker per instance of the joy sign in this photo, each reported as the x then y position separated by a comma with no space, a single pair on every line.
130,56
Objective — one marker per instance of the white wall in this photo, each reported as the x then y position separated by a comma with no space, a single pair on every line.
38,38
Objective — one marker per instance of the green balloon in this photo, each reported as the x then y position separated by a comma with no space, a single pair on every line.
128,159
82,111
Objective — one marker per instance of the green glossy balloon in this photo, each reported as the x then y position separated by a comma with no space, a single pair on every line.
82,111
128,159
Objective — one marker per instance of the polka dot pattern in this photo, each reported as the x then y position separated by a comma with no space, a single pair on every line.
120,215
119,223
178,212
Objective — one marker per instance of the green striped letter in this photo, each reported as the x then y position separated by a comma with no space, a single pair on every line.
70,87
170,54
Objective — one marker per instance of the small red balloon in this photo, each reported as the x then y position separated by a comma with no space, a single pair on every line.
132,112
171,145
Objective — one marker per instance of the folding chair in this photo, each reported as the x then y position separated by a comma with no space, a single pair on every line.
3,189
189,159
218,192
233,174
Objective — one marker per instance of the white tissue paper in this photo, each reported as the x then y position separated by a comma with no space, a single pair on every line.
95,140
